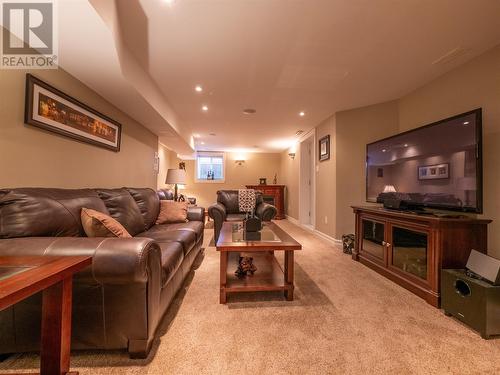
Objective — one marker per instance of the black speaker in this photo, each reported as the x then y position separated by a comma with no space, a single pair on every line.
474,302
485,266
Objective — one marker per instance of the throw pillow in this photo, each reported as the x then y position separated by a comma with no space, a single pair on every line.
97,224
172,212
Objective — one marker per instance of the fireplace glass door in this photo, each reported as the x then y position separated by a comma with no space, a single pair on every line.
373,241
410,251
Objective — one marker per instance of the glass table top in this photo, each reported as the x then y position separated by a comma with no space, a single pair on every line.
266,234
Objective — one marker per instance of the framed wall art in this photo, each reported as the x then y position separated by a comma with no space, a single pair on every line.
434,172
49,108
324,148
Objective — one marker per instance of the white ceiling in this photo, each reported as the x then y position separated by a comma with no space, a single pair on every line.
277,56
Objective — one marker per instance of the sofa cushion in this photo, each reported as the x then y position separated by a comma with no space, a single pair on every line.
229,198
45,212
235,217
171,258
194,226
148,202
97,224
122,207
187,238
172,212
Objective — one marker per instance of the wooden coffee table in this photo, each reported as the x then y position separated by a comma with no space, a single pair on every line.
270,276
21,277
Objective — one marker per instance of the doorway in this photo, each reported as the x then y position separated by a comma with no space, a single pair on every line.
306,180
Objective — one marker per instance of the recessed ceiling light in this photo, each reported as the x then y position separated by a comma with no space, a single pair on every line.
198,88
302,114
169,2
204,108
406,144
202,143
466,123
212,134
249,111
384,150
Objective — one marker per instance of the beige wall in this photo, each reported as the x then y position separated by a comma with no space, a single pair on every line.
257,165
168,159
290,177
34,157
473,85
356,128
326,180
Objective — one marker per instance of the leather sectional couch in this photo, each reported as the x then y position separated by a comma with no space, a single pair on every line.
119,301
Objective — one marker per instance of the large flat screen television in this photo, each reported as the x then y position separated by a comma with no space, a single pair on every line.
438,165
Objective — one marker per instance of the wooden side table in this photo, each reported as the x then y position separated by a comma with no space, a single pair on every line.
21,277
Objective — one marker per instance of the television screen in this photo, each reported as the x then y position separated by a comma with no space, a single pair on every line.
438,165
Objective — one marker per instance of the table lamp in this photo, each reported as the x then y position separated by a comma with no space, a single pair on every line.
176,177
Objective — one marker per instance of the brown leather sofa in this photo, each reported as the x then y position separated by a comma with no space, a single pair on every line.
227,209
119,301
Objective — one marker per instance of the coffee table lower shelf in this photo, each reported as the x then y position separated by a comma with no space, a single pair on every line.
270,276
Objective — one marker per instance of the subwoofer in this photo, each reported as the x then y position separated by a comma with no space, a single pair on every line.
473,301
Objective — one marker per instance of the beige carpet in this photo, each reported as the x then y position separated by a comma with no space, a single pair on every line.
345,319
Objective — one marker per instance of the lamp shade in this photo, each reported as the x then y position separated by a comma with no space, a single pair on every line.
176,176
389,189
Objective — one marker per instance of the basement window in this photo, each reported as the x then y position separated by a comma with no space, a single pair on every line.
210,167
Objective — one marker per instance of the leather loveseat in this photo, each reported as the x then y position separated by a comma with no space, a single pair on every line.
227,209
118,302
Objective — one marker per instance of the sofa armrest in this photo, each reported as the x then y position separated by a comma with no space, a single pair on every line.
217,212
265,211
196,214
114,260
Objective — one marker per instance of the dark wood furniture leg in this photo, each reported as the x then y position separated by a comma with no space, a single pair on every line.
223,275
56,328
288,273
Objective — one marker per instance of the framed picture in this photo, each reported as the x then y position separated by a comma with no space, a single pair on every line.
434,172
48,108
324,148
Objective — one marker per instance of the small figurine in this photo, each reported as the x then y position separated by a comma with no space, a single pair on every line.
275,179
245,267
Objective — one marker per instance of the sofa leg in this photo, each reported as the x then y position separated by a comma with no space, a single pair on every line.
138,349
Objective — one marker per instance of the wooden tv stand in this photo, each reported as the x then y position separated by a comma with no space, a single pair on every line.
411,249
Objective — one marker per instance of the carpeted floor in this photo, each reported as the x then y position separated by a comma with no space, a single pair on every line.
346,319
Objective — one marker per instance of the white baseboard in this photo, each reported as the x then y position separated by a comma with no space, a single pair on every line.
313,231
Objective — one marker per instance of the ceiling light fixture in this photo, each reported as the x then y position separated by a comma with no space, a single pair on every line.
406,144
292,155
202,143
466,123
198,88
249,111
204,108
302,114
169,2
384,150
239,161
212,134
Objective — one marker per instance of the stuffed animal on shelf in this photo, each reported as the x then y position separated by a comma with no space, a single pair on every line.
245,267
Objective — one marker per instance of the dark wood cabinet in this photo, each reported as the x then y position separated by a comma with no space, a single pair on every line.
273,194
411,249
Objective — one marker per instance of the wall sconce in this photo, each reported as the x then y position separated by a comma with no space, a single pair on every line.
239,161
292,155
